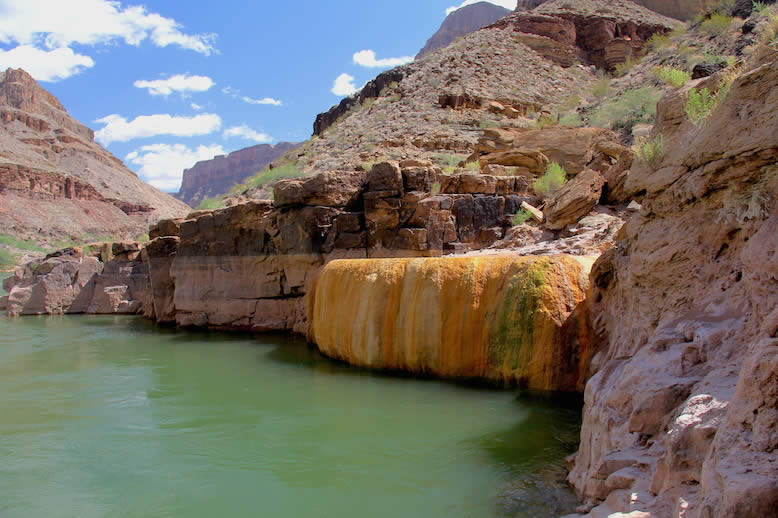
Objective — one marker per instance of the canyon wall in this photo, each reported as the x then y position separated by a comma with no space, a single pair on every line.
515,320
681,417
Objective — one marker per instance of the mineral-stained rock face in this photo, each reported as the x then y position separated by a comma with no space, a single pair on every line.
680,417
509,319
461,22
80,190
214,177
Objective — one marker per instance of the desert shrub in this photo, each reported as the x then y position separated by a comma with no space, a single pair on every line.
630,108
658,40
672,76
758,7
554,178
520,217
601,87
435,189
623,69
472,166
446,159
571,119
143,238
699,104
571,103
211,204
488,123
716,25
367,166
651,151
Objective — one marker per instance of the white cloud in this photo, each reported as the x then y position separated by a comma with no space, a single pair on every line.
508,4
235,94
177,83
366,58
195,106
162,165
247,133
266,100
43,65
344,85
58,23
118,129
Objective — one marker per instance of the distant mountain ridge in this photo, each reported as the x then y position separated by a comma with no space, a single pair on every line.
210,178
461,23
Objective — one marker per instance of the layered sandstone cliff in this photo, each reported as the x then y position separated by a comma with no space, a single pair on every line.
681,416
56,183
210,178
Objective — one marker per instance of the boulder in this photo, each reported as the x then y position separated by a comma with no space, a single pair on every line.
62,283
330,189
574,200
385,176
530,151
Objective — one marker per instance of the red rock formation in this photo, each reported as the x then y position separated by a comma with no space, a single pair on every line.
215,177
606,33
462,22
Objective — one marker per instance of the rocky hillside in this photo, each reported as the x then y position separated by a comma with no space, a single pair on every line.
461,23
210,178
512,73
680,9
56,184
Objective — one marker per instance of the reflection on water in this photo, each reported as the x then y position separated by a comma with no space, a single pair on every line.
113,416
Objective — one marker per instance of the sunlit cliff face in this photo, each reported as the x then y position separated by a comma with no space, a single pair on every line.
515,320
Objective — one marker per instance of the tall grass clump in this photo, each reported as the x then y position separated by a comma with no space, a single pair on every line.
601,87
630,108
554,178
699,104
672,76
758,7
651,151
520,217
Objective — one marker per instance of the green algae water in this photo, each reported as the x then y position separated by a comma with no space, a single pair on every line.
114,417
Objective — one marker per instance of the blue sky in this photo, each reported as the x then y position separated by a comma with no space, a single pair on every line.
166,83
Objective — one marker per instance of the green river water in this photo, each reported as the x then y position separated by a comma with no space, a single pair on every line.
114,417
